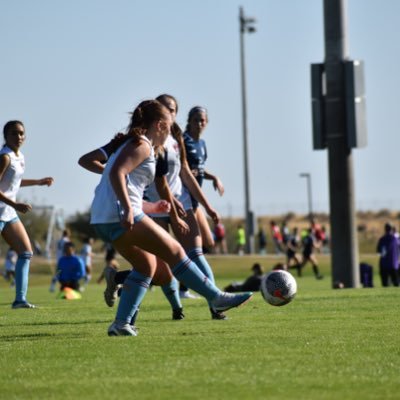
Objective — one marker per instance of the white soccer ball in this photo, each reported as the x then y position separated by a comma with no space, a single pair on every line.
278,288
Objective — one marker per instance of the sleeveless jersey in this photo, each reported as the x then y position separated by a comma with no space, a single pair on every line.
179,191
105,205
11,182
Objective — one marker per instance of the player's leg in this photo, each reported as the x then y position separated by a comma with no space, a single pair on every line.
134,289
15,235
192,243
205,231
150,237
315,267
163,277
169,285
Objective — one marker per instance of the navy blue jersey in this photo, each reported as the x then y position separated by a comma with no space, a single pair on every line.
196,154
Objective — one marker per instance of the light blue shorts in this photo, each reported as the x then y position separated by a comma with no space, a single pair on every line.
3,224
112,231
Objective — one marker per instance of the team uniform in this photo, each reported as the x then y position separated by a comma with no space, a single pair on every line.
171,170
105,216
114,278
106,210
196,154
170,166
86,254
9,186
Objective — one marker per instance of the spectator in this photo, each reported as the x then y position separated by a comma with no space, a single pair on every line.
388,249
220,241
276,237
70,268
240,240
262,241
285,232
366,275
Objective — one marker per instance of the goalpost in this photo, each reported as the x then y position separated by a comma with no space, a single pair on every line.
56,221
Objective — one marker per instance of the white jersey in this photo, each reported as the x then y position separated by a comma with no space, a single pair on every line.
60,246
11,182
11,259
86,254
105,205
173,177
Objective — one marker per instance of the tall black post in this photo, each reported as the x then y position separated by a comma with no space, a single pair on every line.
246,26
344,244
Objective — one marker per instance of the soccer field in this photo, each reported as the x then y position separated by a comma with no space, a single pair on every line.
326,344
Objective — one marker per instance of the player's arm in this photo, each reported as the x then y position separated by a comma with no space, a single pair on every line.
94,161
218,186
164,191
48,181
130,158
190,182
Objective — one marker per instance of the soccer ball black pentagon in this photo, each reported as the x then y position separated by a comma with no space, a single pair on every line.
278,288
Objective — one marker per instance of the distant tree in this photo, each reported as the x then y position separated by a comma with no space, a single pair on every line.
80,225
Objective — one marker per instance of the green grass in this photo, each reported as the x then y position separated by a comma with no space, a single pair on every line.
326,344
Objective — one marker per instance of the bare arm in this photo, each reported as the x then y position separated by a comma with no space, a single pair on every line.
48,181
130,158
165,193
93,161
216,182
190,182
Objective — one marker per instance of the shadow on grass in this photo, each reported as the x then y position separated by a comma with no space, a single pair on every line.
53,323
39,336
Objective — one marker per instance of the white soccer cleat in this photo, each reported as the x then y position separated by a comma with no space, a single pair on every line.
185,294
121,329
225,301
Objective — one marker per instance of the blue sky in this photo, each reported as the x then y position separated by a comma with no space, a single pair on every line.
72,71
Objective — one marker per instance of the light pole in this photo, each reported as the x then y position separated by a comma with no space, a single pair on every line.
246,26
307,175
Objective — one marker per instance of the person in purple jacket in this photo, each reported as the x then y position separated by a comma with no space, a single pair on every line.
388,248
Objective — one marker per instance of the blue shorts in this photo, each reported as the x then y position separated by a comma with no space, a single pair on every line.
3,224
112,231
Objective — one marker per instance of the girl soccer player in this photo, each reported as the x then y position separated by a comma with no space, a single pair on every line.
196,151
117,215
172,186
12,167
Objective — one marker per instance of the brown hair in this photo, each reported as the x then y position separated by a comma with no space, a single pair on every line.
176,131
143,116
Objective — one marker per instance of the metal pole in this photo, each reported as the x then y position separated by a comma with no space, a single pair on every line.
248,213
310,207
345,265
309,193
